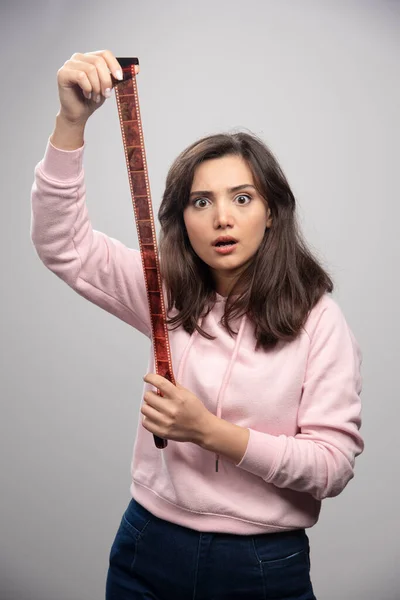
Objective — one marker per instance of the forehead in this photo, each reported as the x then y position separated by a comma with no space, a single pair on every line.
216,173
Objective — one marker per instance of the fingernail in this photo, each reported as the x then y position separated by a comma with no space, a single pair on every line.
97,99
118,75
107,92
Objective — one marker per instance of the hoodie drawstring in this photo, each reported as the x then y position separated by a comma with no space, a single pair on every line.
186,352
227,374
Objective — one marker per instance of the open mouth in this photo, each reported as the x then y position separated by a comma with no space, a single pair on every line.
229,243
227,247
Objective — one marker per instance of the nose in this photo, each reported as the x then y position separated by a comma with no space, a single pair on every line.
223,216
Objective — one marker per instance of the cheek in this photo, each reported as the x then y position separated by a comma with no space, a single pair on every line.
187,221
195,241
192,229
257,234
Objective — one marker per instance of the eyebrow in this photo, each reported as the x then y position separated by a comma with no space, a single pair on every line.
237,188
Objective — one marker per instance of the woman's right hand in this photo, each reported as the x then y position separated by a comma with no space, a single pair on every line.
84,82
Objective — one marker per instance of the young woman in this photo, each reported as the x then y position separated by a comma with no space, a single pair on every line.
264,420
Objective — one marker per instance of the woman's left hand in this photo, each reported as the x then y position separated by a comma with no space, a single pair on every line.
176,415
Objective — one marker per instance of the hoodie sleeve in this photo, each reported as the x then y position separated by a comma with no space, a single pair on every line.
98,267
319,460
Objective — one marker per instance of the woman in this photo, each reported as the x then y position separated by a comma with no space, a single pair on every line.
264,420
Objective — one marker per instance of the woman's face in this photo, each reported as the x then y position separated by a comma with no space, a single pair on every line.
224,202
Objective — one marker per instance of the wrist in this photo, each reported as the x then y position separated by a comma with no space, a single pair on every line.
67,135
207,432
63,120
225,438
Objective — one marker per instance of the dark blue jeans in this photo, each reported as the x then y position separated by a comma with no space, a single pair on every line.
153,558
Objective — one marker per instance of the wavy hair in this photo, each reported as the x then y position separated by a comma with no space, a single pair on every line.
283,281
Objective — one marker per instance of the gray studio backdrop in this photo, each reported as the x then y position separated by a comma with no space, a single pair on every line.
319,82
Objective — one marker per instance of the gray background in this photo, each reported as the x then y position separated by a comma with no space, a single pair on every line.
319,81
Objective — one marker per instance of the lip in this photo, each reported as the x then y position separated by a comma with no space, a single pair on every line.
225,249
224,238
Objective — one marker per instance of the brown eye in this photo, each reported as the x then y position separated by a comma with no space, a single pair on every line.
197,201
243,199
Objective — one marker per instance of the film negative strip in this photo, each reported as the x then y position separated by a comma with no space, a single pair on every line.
132,136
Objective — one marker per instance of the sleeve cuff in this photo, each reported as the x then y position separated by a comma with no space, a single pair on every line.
62,165
263,454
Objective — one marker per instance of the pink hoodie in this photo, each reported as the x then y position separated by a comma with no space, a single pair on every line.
299,401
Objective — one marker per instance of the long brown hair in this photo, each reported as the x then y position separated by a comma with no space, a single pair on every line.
284,280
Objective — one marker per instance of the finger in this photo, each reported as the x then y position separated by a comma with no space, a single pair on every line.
146,423
108,64
77,77
151,427
91,73
159,403
152,414
103,71
164,385
112,62
97,71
